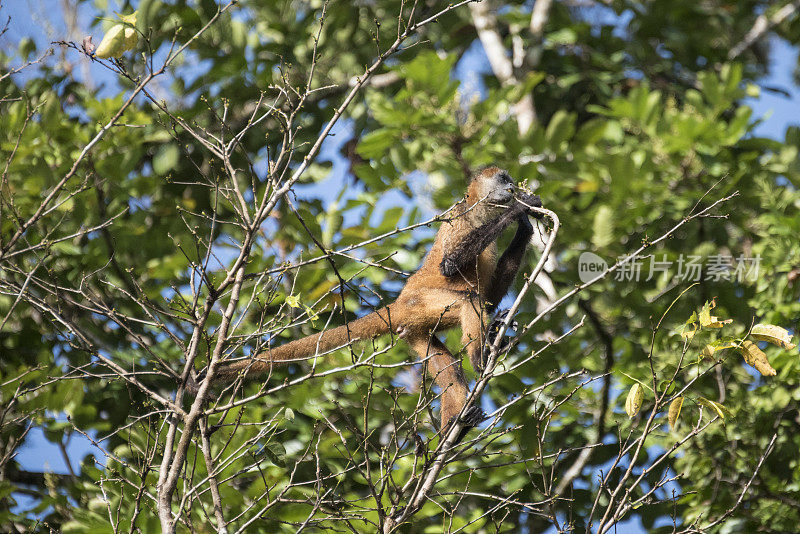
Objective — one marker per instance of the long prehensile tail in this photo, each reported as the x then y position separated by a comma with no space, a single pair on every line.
370,326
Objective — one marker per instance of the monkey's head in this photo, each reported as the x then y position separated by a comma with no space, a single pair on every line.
493,186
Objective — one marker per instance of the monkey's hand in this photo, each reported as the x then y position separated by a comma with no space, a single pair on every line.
526,200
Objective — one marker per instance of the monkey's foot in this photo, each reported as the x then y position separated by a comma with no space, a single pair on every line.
471,418
494,326
192,385
491,337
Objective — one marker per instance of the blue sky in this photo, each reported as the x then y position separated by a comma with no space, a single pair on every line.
779,110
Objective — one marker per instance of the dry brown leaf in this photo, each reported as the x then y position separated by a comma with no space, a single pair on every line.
773,334
756,357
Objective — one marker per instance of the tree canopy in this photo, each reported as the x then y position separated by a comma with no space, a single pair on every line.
222,176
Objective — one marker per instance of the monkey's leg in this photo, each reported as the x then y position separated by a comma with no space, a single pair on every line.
473,332
449,376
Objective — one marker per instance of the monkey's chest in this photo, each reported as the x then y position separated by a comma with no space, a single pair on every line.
484,268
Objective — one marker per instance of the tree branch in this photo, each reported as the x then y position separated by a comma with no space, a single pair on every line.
762,25
486,24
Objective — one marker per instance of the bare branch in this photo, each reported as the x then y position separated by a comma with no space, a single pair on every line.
762,25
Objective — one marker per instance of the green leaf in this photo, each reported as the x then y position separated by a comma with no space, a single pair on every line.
166,159
376,143
563,36
560,128
603,227
276,452
592,131
26,47
429,70
146,14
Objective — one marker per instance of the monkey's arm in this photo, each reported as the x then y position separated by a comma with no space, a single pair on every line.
478,239
509,262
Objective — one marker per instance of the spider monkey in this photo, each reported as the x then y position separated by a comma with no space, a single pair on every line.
460,281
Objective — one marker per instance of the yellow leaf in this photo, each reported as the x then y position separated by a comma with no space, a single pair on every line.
131,38
716,323
756,357
119,38
603,227
705,313
709,350
293,301
113,42
674,411
716,407
587,186
128,19
634,401
689,334
710,321
773,334
312,315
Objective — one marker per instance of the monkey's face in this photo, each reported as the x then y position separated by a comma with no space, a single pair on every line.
490,191
498,187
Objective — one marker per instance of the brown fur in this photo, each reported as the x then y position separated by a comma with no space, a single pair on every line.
430,302
370,326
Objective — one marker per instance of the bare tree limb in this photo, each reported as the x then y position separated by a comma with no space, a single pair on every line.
762,25
486,23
